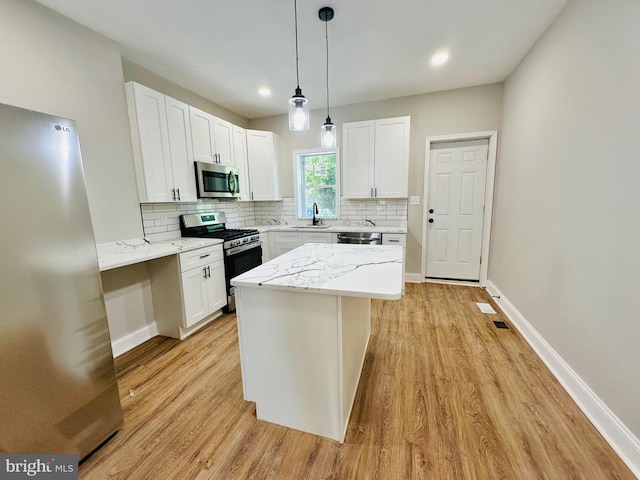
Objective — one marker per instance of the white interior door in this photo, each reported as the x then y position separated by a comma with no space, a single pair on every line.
455,209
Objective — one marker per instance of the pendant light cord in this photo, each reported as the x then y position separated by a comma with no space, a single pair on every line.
295,10
326,37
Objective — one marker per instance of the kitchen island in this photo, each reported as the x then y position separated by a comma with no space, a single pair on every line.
303,327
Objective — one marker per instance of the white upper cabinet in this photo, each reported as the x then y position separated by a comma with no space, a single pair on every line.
263,153
212,138
375,161
203,135
169,135
224,141
357,159
161,139
240,156
181,151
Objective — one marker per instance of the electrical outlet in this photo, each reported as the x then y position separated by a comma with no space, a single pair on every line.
415,200
382,202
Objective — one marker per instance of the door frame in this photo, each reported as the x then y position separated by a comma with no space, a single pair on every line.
492,136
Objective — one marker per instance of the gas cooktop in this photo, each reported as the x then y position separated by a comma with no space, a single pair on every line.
212,225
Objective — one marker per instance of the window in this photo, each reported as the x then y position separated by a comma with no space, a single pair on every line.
317,181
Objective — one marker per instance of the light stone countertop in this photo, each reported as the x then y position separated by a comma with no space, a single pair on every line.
371,271
128,252
329,228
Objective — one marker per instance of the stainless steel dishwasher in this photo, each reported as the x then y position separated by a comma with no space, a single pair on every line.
360,238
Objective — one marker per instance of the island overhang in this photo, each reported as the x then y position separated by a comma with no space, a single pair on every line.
369,271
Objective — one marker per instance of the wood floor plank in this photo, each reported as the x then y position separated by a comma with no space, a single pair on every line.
443,395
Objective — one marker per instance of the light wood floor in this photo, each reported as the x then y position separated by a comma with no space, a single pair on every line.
443,395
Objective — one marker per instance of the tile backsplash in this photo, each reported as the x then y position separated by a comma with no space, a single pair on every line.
160,221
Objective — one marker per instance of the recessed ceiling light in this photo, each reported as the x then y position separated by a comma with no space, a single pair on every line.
264,91
439,59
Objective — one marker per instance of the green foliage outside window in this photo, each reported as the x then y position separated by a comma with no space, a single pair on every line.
318,185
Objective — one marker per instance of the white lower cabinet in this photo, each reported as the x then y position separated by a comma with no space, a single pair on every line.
203,290
319,237
401,240
287,241
267,246
188,290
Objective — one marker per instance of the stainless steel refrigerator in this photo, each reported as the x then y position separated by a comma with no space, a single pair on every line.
58,391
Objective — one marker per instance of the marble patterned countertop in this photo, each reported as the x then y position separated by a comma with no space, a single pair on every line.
127,252
330,228
372,271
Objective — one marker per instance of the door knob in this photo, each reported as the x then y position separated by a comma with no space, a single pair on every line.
431,210
431,220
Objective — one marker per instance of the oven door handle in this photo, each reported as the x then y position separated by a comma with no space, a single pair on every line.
242,248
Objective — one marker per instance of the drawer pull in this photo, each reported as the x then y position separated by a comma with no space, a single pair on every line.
205,256
393,240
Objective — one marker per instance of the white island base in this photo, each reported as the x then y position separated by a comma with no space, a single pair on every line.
303,328
302,355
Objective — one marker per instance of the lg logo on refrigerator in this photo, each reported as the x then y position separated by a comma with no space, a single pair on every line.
62,128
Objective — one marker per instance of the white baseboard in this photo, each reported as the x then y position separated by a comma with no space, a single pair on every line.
134,339
413,278
616,433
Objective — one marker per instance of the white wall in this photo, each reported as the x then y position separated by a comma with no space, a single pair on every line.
566,249
53,65
454,111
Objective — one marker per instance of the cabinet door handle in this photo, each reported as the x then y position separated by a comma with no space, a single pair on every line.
371,194
376,192
178,192
173,194
208,271
205,256
205,272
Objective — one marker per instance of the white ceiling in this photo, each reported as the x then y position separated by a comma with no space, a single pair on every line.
225,50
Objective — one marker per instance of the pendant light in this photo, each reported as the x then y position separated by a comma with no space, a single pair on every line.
328,130
298,104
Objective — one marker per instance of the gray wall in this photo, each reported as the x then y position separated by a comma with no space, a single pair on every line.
565,245
454,111
135,73
53,65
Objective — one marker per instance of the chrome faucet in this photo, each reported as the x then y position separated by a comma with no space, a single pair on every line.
315,220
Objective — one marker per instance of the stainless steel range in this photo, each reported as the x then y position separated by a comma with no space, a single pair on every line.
242,247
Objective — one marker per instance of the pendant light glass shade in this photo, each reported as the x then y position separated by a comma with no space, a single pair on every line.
298,112
328,134
298,104
328,131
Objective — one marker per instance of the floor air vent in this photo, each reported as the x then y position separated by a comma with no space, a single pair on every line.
486,308
500,325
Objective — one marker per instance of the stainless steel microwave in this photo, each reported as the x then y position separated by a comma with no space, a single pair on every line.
217,181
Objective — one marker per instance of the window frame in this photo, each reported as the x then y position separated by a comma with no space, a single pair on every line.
298,176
